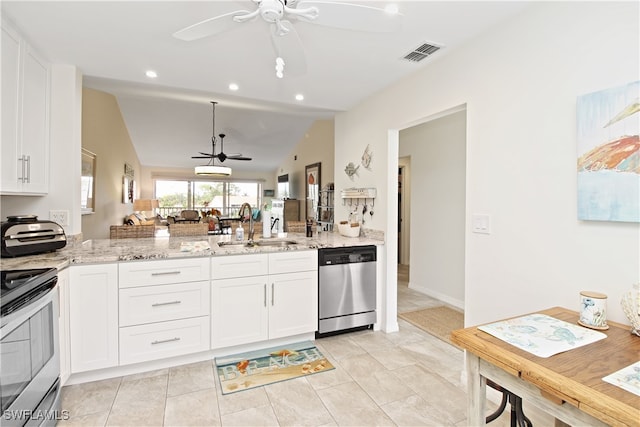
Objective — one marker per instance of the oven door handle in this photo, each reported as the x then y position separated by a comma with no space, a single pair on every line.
30,298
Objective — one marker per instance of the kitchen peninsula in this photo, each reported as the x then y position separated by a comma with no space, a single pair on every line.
134,305
117,250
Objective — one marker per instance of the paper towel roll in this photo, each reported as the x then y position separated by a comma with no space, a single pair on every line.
266,224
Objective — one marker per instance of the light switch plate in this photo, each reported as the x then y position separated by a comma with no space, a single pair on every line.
481,223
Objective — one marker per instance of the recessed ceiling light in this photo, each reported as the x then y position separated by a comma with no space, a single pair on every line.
299,97
151,74
233,86
391,9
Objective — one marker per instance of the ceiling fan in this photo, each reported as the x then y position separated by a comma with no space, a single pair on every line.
286,42
211,168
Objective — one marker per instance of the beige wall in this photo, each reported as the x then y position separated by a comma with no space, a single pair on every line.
316,146
104,133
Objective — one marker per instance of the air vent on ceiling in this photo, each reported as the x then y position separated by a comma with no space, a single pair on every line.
421,52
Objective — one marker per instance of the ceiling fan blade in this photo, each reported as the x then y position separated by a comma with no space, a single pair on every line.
209,27
351,16
209,156
289,47
238,158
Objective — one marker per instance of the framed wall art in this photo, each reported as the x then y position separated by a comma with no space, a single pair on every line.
88,182
608,151
312,191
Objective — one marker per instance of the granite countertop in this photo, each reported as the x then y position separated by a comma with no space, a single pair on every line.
119,250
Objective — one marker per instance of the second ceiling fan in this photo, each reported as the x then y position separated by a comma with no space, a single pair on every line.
211,168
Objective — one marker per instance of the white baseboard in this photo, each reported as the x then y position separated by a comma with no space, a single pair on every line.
439,296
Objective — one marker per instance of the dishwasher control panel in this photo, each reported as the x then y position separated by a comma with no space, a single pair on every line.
346,255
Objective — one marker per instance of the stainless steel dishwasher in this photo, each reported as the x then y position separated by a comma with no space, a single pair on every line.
346,289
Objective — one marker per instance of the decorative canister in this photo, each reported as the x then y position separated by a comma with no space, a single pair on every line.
593,310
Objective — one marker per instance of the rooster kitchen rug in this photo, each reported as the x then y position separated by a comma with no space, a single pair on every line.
245,371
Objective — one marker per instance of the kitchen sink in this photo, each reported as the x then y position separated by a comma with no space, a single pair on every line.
280,243
232,243
277,243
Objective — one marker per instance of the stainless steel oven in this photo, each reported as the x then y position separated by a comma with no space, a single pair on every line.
29,349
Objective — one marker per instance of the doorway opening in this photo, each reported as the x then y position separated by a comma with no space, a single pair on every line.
430,221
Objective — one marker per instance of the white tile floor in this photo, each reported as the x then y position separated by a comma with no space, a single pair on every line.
408,378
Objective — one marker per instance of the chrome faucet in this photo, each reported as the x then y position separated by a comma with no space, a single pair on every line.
241,213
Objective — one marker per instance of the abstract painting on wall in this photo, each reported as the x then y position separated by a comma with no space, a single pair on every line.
609,154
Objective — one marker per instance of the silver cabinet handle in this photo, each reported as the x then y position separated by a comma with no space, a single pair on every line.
21,160
157,304
165,341
265,294
165,273
28,161
272,293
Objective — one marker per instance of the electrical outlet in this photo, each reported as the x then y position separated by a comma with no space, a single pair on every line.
60,217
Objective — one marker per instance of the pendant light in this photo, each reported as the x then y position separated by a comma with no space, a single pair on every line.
211,169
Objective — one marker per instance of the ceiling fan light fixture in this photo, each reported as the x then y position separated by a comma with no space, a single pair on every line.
212,170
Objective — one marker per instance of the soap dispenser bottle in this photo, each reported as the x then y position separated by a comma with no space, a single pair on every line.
239,233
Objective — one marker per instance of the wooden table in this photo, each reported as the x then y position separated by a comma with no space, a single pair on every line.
568,385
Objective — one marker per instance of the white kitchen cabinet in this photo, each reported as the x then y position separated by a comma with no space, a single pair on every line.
247,309
63,325
239,311
93,316
25,117
160,340
159,303
293,305
164,309
162,272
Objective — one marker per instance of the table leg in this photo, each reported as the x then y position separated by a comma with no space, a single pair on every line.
477,390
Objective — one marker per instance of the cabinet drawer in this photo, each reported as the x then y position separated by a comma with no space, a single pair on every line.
147,304
164,339
163,272
289,262
225,267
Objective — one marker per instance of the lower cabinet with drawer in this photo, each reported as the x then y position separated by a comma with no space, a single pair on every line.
163,339
164,309
250,304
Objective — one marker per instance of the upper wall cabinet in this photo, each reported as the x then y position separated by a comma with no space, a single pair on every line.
25,117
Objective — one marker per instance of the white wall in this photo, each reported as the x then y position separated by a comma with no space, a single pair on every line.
437,148
519,82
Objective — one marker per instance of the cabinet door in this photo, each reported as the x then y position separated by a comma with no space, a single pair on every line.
293,304
239,311
10,72
35,135
93,316
63,325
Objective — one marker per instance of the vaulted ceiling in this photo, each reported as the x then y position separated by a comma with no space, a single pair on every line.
169,118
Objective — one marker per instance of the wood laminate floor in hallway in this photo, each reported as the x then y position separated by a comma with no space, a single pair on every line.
407,378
